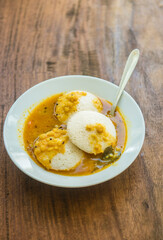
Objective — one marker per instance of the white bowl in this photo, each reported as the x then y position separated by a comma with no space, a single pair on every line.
16,116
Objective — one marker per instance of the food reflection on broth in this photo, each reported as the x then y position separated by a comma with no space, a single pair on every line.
43,132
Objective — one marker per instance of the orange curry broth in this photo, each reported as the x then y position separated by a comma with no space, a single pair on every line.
41,120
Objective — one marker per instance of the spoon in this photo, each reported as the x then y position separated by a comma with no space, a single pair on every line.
128,70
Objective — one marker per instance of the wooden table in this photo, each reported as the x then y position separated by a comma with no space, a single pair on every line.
41,39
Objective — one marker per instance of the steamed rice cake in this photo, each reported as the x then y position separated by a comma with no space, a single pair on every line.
91,131
76,101
55,151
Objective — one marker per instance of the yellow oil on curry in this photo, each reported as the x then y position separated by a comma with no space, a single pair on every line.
41,120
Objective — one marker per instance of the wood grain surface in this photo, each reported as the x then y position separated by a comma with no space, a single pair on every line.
40,39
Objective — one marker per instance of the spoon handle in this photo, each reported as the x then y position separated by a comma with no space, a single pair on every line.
128,70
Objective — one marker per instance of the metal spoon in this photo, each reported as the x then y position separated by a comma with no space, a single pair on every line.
128,70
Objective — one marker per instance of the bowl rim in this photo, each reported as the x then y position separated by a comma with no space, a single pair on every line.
61,185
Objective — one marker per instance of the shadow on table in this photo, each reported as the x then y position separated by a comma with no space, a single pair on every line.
63,203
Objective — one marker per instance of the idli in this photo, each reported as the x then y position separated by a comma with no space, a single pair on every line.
55,151
76,101
91,131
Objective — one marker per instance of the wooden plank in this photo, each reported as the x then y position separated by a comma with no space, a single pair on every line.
4,226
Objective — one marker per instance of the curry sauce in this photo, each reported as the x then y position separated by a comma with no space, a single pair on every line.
42,119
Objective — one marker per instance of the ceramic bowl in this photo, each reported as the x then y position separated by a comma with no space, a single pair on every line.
18,112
